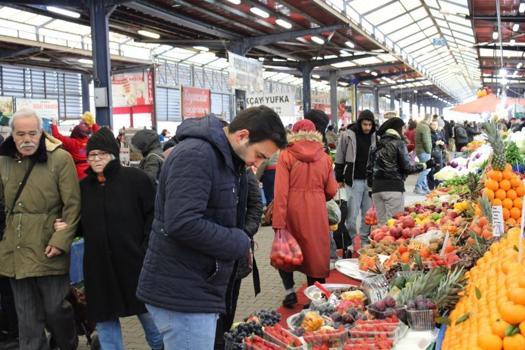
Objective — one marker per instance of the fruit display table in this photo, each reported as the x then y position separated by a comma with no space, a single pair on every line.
446,272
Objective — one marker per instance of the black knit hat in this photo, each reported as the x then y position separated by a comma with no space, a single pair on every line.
104,140
392,123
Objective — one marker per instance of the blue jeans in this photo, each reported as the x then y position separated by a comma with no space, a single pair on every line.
185,331
110,333
422,184
358,201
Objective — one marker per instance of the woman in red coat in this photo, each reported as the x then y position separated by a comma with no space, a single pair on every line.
76,145
304,181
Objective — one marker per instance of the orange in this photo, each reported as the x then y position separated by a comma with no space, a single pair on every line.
487,192
517,295
520,190
508,167
512,313
492,185
497,202
499,327
506,213
508,174
489,342
518,203
495,175
508,203
501,194
512,194
516,342
522,328
511,221
515,182
515,213
504,185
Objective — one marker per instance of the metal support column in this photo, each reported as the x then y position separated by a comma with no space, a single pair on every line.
401,107
99,20
85,79
333,98
392,100
376,101
410,107
355,101
306,69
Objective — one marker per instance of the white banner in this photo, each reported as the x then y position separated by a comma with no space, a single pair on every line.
283,104
43,108
245,73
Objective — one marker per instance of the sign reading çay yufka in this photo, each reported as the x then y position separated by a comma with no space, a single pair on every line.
245,73
196,102
282,103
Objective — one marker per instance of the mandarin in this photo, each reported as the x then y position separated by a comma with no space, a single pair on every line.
489,341
511,194
518,203
515,182
515,213
497,202
508,203
495,175
520,190
515,342
506,213
499,327
501,194
508,174
504,185
492,185
517,295
512,313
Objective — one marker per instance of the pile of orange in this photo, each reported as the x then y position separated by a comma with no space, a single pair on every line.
491,312
505,188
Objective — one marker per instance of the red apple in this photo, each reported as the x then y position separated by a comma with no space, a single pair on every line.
407,233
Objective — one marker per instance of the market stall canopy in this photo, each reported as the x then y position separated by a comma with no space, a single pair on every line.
487,103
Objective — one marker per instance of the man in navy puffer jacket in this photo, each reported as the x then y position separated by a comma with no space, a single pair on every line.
195,237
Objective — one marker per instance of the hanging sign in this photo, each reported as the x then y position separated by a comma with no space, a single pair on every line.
497,221
196,102
245,73
282,103
132,89
44,108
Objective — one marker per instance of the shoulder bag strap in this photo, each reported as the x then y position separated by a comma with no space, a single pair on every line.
23,183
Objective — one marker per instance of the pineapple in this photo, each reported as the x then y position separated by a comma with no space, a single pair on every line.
486,208
474,185
498,159
424,285
446,295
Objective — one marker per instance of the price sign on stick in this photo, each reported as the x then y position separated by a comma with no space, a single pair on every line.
445,244
520,255
497,221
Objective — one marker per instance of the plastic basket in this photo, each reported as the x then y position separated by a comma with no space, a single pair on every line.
274,340
381,315
375,287
334,339
421,320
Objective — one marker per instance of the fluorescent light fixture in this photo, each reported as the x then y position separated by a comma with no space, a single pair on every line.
317,40
519,65
512,42
495,35
316,76
343,83
261,59
283,23
201,48
148,34
327,57
374,74
367,71
235,2
515,27
301,39
350,44
40,59
85,61
63,12
521,9
259,12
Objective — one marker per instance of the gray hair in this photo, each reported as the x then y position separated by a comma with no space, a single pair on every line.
25,113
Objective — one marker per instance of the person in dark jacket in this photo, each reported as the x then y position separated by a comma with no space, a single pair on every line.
252,203
460,137
471,131
350,168
387,169
438,147
147,142
117,211
198,231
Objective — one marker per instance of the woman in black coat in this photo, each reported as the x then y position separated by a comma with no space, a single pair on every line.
117,212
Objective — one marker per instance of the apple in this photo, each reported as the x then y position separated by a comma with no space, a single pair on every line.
389,239
407,233
396,231
452,214
379,236
416,231
407,221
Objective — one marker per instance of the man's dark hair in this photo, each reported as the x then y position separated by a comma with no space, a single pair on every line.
330,127
263,124
412,124
319,118
367,115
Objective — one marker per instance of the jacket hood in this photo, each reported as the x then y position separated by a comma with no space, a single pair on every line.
306,146
356,127
390,134
146,141
47,144
209,129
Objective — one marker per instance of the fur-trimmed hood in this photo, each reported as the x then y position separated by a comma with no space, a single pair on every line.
306,146
47,144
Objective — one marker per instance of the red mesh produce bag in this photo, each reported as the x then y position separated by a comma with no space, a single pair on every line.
286,254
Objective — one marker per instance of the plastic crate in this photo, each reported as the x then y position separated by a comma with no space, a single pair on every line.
421,320
333,339
274,340
76,267
381,315
375,287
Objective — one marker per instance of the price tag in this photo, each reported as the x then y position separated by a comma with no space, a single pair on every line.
445,244
497,221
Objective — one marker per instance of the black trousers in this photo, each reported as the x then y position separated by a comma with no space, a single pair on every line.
288,282
225,321
40,303
7,304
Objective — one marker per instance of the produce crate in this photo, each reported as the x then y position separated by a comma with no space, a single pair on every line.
333,339
273,339
381,315
375,287
421,320
262,344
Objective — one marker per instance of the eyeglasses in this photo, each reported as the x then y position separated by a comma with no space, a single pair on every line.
100,155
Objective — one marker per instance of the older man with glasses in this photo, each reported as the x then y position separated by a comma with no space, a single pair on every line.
38,187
